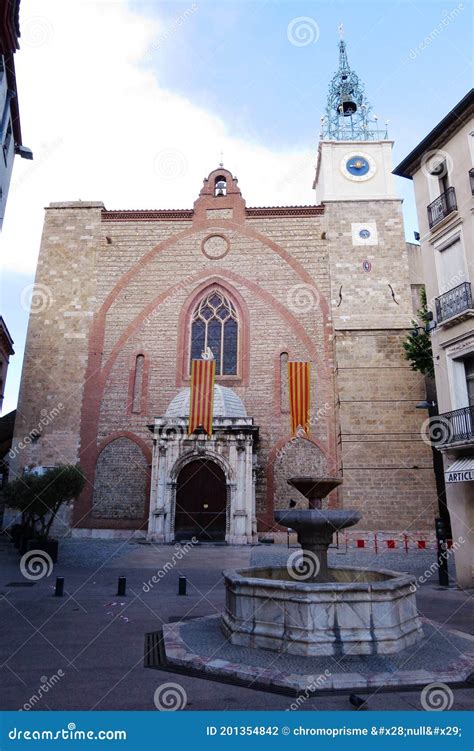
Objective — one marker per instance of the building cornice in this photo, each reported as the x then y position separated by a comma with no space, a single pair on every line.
441,133
131,215
163,215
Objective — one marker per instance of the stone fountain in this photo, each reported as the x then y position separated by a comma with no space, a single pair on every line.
315,527
308,608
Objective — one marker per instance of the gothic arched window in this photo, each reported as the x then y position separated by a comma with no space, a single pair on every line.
214,324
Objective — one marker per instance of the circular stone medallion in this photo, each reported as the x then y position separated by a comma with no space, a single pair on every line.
215,247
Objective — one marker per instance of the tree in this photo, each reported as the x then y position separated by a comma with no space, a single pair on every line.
39,497
417,346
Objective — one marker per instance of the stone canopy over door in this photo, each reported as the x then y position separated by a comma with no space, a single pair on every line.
204,486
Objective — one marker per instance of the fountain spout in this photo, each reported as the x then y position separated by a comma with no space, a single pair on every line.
314,526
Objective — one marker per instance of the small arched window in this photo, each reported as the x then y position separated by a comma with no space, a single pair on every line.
284,395
138,384
214,324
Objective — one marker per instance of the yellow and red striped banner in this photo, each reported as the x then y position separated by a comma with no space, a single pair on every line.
298,385
202,395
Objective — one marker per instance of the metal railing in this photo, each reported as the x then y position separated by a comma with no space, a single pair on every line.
456,426
454,302
441,207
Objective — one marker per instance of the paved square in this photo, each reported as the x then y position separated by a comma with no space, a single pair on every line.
97,640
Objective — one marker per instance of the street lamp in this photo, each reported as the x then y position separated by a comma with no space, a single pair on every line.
427,329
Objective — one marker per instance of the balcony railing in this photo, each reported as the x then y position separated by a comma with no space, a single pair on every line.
442,206
454,302
456,426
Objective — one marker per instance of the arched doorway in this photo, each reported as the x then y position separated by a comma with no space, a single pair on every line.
201,501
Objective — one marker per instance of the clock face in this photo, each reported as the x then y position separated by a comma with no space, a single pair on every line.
357,166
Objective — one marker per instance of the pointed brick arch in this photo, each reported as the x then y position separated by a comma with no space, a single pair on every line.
96,377
83,507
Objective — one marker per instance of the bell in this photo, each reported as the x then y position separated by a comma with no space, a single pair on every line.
348,106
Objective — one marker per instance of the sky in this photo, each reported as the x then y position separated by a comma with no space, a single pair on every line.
132,103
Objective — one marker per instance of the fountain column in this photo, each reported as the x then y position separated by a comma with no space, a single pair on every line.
314,526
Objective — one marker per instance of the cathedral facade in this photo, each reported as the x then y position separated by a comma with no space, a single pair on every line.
133,296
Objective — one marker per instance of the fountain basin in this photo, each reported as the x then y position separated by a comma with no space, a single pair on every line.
317,521
314,488
359,612
315,528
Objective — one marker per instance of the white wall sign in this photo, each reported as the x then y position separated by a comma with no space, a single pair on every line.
466,475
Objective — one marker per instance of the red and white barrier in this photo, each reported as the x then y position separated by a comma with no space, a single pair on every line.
380,542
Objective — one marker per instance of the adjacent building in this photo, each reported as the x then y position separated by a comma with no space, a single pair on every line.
10,130
442,170
6,351
135,295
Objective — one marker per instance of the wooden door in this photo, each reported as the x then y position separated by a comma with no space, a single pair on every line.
201,499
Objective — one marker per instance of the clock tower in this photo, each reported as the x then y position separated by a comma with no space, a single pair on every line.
354,156
371,302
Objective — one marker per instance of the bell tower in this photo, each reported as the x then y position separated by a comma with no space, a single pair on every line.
371,307
354,156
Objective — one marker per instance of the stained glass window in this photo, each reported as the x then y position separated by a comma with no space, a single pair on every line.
215,325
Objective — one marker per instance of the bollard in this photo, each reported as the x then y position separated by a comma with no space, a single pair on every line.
122,586
443,576
288,537
182,582
59,588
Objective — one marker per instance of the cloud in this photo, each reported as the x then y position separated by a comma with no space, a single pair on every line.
103,127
